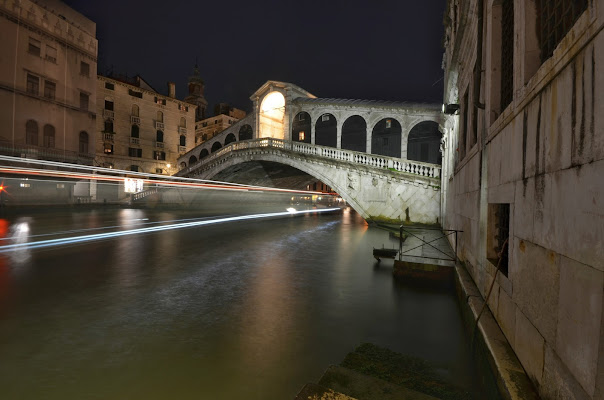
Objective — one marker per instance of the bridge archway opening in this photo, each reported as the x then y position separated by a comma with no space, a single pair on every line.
192,160
301,127
354,134
424,143
230,139
216,146
183,165
246,132
326,131
272,114
386,138
204,153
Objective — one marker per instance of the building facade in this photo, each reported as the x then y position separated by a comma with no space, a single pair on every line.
138,129
47,81
523,178
208,128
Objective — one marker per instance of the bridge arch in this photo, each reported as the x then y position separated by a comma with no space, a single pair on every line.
301,127
192,160
204,153
386,138
246,132
423,143
216,146
272,115
326,130
354,134
230,139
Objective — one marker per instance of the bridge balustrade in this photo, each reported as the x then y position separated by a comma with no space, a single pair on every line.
355,157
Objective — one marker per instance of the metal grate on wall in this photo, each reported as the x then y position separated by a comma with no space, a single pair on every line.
507,53
556,18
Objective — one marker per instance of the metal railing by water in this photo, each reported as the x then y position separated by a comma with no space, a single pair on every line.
355,157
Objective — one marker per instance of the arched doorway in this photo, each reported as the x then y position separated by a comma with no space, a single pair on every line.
386,138
354,134
272,113
216,146
301,127
424,143
230,139
246,132
326,131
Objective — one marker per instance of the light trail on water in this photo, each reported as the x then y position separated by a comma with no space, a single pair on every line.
110,235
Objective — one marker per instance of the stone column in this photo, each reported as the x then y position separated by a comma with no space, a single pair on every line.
369,138
312,131
339,133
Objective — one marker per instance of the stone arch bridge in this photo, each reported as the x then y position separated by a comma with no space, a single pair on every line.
383,158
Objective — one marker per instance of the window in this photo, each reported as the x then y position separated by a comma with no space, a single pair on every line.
135,94
108,126
230,122
498,236
83,142
301,136
109,86
159,171
556,18
301,117
134,152
183,140
134,131
215,122
135,110
507,53
84,101
159,137
204,137
388,123
160,116
108,148
34,47
324,117
33,84
84,68
109,105
50,89
31,132
49,136
160,101
182,107
159,155
51,54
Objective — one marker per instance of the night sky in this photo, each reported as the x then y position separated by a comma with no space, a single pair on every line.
356,49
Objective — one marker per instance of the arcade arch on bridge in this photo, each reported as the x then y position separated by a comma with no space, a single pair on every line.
271,116
326,130
216,146
301,127
386,138
424,143
354,134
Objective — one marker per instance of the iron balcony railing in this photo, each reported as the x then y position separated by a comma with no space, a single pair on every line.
135,120
355,157
108,114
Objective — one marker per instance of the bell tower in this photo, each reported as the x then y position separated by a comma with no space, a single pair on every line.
195,96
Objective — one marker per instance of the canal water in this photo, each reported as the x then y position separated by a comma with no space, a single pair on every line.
246,309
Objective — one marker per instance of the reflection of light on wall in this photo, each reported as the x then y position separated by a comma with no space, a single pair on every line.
272,112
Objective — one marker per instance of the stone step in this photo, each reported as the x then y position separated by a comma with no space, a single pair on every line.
312,391
365,387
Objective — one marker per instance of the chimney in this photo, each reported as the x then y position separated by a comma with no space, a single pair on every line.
171,90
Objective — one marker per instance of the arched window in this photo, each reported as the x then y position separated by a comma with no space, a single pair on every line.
301,127
108,126
134,131
183,140
160,116
134,110
31,132
230,139
245,132
83,142
49,136
183,165
216,146
183,122
159,137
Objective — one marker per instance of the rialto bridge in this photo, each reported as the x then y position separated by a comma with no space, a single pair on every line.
383,158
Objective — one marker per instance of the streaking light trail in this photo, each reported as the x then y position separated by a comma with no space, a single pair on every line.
110,235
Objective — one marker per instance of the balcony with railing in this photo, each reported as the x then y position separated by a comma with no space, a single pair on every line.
182,149
135,140
135,120
108,137
108,114
182,130
159,125
159,145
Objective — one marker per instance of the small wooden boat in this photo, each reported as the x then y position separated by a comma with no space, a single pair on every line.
384,253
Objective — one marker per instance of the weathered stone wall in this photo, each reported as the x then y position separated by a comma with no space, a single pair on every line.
544,156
